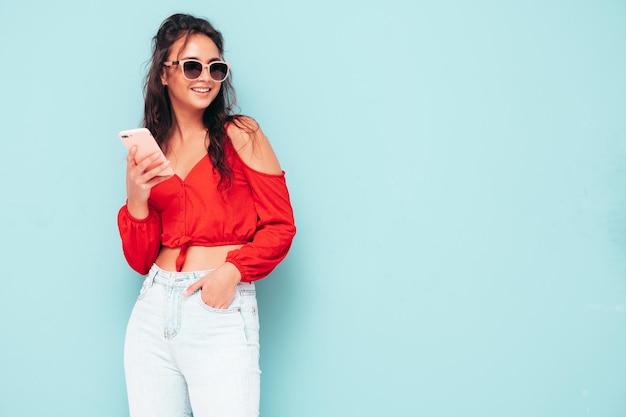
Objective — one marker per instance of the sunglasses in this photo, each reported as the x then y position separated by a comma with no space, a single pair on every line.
192,69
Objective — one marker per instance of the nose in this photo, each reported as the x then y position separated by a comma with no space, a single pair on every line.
205,75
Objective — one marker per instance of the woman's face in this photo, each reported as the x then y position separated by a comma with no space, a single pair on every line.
191,95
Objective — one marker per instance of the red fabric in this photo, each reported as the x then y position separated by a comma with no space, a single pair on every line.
255,211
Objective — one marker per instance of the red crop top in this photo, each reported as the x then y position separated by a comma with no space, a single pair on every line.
255,211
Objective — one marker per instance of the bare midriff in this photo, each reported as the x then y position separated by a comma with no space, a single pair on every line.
198,258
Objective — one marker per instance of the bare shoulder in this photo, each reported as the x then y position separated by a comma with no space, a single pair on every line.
252,145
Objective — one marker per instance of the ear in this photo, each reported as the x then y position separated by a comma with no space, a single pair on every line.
164,76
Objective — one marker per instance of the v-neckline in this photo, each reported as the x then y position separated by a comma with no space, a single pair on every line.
193,168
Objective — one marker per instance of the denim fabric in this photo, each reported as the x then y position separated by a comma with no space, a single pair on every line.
184,358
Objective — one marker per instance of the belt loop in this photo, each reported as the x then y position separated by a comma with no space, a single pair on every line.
151,275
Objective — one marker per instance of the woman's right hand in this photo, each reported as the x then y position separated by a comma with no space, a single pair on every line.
140,180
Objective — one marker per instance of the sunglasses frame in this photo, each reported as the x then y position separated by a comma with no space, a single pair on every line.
181,64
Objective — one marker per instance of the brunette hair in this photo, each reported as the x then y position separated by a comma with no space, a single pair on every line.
157,108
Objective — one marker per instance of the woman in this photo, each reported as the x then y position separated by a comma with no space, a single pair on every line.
202,235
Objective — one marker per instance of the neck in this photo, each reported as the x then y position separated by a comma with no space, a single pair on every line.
188,127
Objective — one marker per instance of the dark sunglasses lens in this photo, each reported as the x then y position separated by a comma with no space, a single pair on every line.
219,71
192,69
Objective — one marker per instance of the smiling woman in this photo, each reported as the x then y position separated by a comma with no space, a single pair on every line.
202,235
185,89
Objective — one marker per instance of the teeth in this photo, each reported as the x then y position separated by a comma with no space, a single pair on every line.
201,90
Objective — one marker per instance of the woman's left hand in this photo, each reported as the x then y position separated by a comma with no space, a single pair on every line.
218,286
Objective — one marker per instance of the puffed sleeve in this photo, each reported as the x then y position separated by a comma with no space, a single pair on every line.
141,239
275,227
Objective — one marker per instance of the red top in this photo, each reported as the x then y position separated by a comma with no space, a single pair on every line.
255,211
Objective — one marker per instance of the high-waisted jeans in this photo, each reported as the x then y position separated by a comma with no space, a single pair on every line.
183,358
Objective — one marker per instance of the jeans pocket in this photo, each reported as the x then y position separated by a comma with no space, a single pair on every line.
234,306
144,288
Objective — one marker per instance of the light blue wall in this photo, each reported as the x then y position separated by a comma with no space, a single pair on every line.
457,170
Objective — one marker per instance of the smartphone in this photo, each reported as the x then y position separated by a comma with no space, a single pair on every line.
146,146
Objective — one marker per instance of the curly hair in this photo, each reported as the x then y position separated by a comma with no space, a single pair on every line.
158,116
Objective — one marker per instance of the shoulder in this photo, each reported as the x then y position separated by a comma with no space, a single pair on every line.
252,145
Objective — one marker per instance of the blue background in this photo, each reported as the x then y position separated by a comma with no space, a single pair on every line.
456,170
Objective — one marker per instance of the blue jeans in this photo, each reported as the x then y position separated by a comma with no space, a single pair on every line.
183,358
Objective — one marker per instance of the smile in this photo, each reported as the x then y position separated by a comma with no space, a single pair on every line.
201,90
